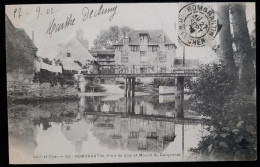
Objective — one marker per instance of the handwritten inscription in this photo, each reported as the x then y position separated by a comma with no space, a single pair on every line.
48,11
89,13
18,12
56,27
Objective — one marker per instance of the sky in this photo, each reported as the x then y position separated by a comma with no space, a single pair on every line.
139,16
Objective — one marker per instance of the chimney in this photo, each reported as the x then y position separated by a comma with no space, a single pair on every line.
80,37
80,34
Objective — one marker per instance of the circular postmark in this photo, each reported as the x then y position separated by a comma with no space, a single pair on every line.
197,25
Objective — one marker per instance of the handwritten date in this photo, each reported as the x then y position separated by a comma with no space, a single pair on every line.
18,12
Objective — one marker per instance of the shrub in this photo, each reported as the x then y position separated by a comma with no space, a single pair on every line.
231,116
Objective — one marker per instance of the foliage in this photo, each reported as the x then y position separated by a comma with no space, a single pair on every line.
230,116
106,38
47,61
54,79
78,62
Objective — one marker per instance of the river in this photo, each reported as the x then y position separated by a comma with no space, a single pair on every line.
103,129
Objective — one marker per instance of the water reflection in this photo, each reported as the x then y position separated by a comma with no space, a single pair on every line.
139,106
143,123
76,132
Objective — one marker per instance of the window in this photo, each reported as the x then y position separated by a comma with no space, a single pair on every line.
162,57
68,54
169,47
119,48
144,39
135,48
154,48
143,56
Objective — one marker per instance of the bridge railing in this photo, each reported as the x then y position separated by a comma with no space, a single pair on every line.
147,69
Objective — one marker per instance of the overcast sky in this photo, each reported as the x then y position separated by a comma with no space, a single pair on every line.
138,16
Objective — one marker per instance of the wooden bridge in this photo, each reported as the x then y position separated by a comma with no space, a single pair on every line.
126,71
130,72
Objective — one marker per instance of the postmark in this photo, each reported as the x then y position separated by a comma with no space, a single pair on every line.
197,24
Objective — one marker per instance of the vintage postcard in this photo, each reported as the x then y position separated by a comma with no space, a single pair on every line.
131,82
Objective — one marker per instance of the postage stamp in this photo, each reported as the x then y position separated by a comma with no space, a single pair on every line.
197,24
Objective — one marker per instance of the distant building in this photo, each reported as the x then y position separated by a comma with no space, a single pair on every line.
75,55
20,52
106,59
144,49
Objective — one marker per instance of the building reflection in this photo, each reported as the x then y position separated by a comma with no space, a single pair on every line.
76,132
130,106
137,123
144,123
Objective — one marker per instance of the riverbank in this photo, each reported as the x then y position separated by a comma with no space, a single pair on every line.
18,92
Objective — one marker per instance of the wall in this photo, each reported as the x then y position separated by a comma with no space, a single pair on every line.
152,58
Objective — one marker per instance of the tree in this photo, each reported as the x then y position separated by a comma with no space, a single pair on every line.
243,48
223,98
230,118
225,50
106,38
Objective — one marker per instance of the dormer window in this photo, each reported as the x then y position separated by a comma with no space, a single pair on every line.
68,54
144,39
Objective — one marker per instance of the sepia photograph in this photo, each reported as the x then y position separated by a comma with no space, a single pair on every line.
131,82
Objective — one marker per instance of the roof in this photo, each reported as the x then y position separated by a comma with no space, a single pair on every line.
154,36
17,36
69,64
95,52
77,50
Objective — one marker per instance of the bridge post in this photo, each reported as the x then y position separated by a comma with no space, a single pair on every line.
125,91
129,87
133,86
133,106
180,97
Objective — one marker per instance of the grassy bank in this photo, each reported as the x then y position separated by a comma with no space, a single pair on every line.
32,92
